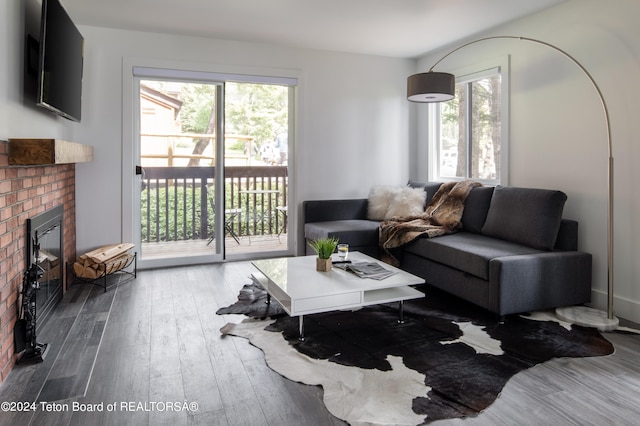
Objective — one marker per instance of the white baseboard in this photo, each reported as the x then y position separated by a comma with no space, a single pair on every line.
622,308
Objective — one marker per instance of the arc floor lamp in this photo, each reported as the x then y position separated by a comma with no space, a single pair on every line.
434,86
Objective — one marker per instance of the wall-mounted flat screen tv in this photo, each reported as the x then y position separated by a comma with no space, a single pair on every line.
60,63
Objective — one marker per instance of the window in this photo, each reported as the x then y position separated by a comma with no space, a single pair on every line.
469,137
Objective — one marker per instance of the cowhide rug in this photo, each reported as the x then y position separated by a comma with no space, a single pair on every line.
449,359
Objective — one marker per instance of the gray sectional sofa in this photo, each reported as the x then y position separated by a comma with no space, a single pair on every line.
514,253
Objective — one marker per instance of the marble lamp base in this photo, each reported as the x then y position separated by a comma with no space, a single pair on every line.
587,317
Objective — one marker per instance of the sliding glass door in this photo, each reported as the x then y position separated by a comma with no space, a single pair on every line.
180,124
213,159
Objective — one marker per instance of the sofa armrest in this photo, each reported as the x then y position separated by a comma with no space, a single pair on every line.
330,210
542,280
567,239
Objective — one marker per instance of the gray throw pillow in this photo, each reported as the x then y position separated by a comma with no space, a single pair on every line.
525,216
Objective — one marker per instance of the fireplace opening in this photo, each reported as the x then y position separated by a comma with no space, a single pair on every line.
45,248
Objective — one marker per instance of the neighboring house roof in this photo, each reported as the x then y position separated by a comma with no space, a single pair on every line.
161,98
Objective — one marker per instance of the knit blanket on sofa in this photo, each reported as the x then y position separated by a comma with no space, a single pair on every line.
441,216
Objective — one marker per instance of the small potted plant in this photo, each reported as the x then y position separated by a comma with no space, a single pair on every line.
325,248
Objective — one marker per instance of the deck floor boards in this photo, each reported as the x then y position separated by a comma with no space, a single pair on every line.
247,245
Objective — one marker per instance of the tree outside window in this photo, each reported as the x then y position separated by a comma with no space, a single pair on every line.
469,140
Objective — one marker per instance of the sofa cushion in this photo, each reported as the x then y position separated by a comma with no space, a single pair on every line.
466,251
352,232
326,210
476,208
385,202
429,187
416,184
476,204
525,216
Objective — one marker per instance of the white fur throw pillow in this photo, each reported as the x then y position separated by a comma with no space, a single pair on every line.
379,199
408,202
386,202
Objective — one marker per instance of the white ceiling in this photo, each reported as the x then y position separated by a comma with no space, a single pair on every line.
397,28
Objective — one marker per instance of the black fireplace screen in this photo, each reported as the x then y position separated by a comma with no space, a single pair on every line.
45,247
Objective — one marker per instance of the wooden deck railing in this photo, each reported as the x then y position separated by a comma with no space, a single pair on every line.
177,202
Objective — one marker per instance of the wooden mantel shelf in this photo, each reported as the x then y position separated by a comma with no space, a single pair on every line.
32,152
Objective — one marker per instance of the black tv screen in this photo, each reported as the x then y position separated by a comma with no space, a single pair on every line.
61,62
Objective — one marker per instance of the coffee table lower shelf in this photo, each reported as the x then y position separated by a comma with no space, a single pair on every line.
334,302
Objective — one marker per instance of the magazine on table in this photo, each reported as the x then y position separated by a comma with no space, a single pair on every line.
371,270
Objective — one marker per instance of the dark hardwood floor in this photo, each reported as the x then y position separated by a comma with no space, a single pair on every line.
149,349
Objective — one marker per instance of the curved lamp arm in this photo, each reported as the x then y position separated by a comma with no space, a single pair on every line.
437,87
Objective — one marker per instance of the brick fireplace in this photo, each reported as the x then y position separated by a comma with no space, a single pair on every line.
26,191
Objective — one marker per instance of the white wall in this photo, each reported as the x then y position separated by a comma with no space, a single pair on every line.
558,134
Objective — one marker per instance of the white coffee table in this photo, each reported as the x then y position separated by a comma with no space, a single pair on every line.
301,290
